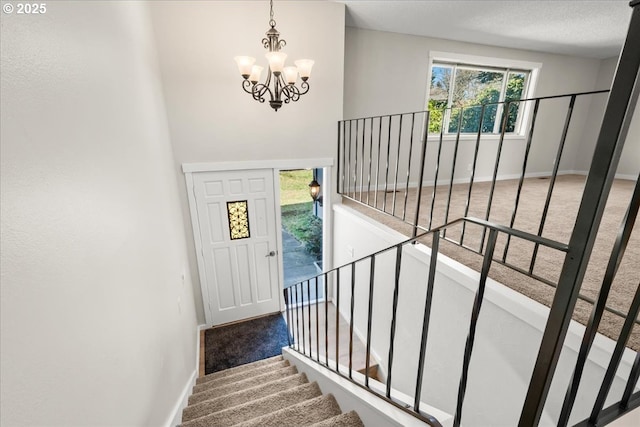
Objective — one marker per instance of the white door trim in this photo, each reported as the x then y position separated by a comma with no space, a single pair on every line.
276,165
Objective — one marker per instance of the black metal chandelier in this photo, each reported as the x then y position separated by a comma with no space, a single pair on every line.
280,84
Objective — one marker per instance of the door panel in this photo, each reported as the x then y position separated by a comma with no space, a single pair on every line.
242,278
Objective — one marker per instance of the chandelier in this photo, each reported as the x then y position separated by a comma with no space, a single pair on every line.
280,84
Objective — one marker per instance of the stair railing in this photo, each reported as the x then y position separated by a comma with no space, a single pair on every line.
351,184
307,339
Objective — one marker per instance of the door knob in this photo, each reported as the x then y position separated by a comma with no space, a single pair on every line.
272,253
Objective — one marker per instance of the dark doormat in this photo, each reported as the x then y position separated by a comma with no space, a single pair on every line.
245,342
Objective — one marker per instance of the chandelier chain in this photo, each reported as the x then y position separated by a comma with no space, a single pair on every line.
272,23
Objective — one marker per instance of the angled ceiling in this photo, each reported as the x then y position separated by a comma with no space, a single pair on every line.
594,29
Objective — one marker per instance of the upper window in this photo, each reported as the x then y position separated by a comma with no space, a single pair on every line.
458,91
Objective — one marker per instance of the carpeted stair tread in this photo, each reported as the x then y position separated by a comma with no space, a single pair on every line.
235,370
234,399
258,408
350,419
239,376
303,414
242,385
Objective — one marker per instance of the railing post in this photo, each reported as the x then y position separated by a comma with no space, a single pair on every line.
615,125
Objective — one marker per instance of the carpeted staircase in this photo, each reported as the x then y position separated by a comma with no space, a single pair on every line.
265,393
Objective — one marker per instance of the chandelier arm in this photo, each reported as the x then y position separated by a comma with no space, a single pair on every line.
305,87
291,93
246,85
259,90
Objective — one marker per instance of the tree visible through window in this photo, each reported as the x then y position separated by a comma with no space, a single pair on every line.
458,91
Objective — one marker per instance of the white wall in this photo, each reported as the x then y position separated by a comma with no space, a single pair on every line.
98,324
508,336
629,165
211,118
386,73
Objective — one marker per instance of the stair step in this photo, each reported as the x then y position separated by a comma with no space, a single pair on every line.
303,414
258,408
239,376
242,385
350,419
234,399
235,370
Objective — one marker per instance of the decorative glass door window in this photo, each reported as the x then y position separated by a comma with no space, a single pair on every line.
238,219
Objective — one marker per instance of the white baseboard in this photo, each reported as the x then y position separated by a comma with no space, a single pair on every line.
465,180
175,416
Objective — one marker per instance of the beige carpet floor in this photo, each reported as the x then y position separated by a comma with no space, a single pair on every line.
559,224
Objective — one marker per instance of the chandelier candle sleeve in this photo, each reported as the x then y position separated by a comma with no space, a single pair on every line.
280,82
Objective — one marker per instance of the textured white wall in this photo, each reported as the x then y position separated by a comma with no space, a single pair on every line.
98,327
211,119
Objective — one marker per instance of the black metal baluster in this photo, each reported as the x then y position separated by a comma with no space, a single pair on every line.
386,178
621,344
435,179
364,127
394,310
426,317
353,288
309,310
338,320
369,320
340,185
453,172
375,199
406,188
304,348
355,165
495,172
477,304
348,171
473,173
297,319
285,292
554,175
395,181
326,319
615,259
370,160
317,324
631,382
521,181
423,155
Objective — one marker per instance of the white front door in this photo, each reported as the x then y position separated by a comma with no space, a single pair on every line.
237,223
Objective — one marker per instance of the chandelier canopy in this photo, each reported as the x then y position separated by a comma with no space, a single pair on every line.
280,83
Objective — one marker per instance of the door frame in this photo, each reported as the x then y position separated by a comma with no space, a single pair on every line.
189,169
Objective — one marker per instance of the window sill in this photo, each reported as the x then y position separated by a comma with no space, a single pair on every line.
474,137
